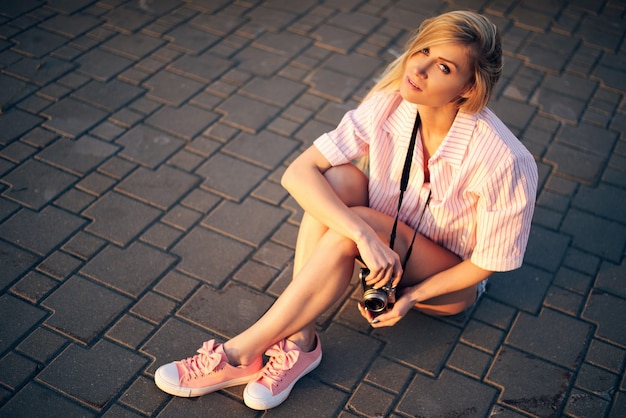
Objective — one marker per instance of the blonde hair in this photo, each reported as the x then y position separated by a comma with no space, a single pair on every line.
467,28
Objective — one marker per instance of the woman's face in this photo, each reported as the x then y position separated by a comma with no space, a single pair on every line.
437,76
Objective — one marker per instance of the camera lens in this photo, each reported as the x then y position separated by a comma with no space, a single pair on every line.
375,300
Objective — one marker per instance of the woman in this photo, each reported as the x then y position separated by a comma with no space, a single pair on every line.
466,211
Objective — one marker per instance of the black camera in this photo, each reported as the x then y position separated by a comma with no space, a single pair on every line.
374,300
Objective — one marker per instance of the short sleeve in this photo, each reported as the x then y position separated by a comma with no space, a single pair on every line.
504,215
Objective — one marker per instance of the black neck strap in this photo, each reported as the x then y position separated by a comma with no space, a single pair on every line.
404,181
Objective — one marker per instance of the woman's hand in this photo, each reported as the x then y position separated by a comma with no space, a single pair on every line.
392,316
382,262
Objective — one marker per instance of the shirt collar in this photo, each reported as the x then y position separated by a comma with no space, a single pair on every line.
454,145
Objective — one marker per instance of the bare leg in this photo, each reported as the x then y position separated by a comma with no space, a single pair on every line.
351,186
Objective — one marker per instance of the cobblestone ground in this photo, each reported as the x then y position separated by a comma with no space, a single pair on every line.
141,147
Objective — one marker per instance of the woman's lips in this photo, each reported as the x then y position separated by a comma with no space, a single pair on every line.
412,84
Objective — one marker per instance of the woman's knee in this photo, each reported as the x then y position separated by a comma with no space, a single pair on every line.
349,183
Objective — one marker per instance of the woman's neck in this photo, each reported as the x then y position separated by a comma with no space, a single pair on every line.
435,124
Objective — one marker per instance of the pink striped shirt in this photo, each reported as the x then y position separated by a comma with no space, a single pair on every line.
483,180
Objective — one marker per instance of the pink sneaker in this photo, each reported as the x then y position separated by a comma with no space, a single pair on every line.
287,364
203,373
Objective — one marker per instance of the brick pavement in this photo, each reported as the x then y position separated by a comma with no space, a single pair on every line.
141,146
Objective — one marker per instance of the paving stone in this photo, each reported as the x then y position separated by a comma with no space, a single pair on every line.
176,285
200,200
16,370
59,265
246,114
113,266
604,355
340,343
270,192
118,218
332,85
181,217
546,249
127,19
7,208
605,310
218,24
144,396
130,331
70,26
135,46
582,404
482,336
77,156
15,123
166,345
230,177
13,330
602,31
259,62
605,200
274,255
161,236
531,385
370,401
335,38
216,311
186,160
255,275
240,221
609,72
13,91
426,352
161,188
41,231
102,65
116,167
217,402
186,121
403,18
427,397
190,40
72,118
523,288
15,262
95,184
171,89
36,42
153,307
40,71
610,278
543,336
148,146
17,152
204,68
469,361
596,235
108,96
578,164
34,398
284,43
597,381
266,149
276,91
83,309
564,300
389,375
208,256
42,345
74,369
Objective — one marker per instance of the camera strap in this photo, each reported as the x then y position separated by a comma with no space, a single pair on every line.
404,181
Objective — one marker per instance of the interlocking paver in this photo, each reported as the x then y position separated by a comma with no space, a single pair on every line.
35,397
148,146
186,121
212,266
230,177
113,365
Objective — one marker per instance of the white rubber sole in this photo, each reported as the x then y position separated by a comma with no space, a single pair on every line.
263,404
185,392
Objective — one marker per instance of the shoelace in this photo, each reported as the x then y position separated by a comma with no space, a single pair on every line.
280,361
202,363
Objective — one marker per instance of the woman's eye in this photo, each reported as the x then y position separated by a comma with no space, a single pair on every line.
444,68
425,51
